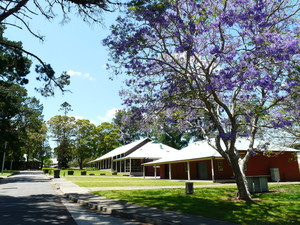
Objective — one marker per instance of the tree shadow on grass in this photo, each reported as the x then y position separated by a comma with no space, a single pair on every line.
207,203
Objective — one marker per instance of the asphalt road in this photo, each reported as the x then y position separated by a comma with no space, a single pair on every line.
29,199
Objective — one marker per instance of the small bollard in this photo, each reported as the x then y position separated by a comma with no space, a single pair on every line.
56,173
189,188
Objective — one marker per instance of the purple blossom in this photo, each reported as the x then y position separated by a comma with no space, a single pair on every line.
232,61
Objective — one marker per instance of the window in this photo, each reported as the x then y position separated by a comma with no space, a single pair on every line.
220,165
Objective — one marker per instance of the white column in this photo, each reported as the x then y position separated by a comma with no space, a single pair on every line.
154,171
130,166
170,171
212,169
188,170
125,165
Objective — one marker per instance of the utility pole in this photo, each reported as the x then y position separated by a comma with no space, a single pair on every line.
5,144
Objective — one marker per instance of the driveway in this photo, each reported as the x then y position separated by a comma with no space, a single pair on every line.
28,198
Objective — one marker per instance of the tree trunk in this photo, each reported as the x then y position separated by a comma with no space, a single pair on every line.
42,163
80,161
240,178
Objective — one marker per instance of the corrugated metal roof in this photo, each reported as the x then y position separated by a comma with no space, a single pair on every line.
203,150
121,150
196,150
153,149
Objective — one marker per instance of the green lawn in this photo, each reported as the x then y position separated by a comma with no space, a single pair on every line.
100,179
8,173
124,182
279,206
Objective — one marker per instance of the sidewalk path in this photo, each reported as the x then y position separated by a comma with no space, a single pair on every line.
123,209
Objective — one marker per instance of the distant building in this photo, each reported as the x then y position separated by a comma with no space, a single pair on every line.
200,161
129,158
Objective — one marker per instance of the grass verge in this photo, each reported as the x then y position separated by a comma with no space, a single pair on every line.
8,173
279,206
125,182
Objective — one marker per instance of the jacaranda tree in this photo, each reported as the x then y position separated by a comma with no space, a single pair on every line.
233,60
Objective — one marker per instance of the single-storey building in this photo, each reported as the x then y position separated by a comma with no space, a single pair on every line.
129,158
200,161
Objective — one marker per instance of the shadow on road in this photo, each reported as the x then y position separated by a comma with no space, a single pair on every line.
25,176
27,198
33,210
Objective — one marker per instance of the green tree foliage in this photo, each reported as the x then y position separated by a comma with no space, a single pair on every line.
163,127
106,138
14,67
92,141
62,129
20,117
36,146
128,121
80,140
83,147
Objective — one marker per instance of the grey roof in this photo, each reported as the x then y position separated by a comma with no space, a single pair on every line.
122,150
151,150
145,148
205,150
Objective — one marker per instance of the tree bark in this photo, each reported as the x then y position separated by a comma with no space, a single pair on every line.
80,161
13,10
240,178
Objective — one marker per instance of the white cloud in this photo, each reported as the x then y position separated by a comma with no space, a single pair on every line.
79,74
108,116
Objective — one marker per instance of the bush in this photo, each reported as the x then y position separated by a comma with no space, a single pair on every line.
47,170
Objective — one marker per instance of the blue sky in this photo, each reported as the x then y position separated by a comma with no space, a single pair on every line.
75,47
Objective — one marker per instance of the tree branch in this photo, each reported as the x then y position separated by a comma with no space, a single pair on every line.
13,10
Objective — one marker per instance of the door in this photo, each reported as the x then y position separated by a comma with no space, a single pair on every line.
166,171
202,171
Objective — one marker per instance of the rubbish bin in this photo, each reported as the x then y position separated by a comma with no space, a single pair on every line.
189,188
257,184
70,172
56,173
83,172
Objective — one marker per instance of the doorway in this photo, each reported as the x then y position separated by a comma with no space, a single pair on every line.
202,171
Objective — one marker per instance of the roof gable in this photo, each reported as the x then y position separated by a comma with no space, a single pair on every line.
152,150
125,149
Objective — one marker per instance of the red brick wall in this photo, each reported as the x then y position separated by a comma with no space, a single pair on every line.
224,174
179,171
257,165
286,162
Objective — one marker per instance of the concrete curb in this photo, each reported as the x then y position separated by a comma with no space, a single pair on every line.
122,209
118,212
142,214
